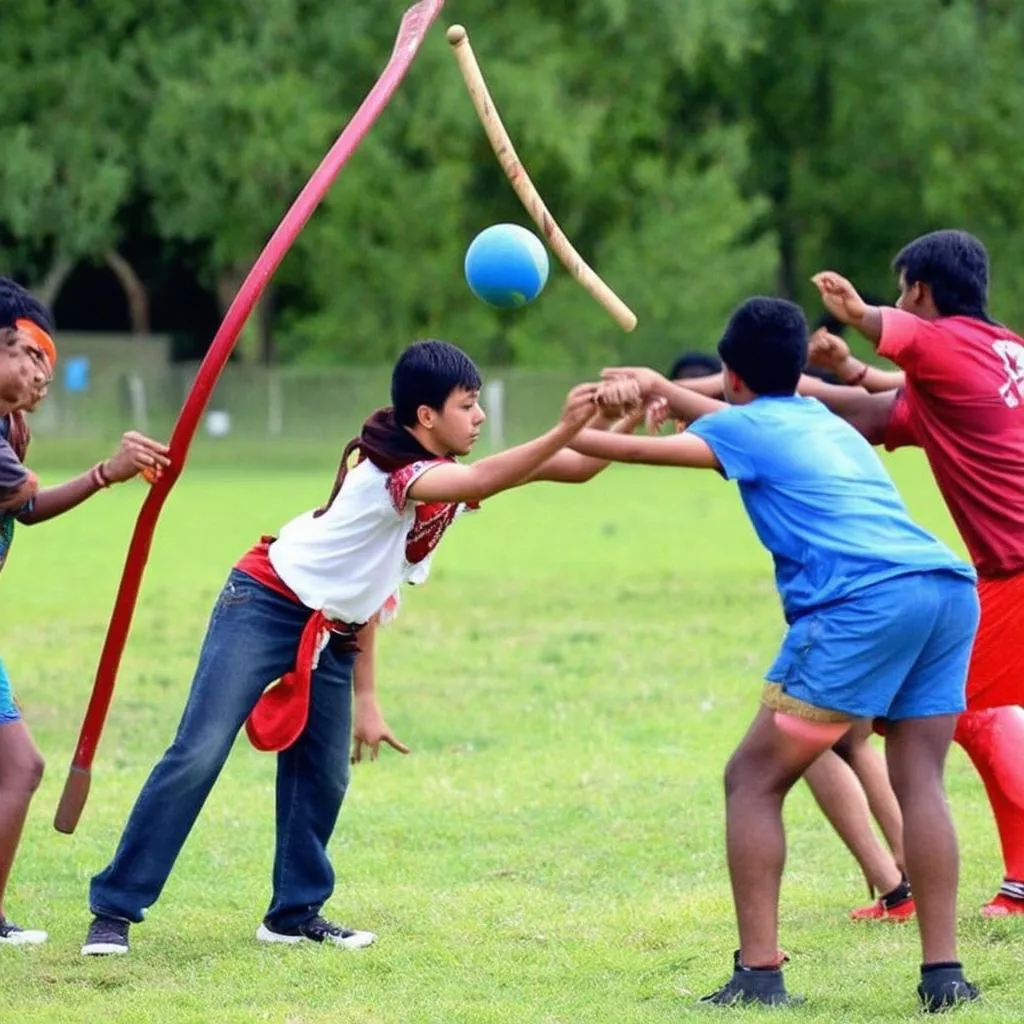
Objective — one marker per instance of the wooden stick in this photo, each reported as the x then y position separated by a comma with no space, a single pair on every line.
524,187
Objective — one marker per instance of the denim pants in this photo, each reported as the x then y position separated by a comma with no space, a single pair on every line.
252,640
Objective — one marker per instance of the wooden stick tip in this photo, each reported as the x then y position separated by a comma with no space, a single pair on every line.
456,34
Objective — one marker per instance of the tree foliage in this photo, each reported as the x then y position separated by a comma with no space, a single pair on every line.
696,151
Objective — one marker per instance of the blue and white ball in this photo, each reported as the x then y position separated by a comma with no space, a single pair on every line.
506,266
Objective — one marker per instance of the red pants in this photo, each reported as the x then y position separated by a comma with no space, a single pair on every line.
996,676
991,731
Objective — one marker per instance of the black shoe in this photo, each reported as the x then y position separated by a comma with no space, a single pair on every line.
108,936
764,985
318,929
945,988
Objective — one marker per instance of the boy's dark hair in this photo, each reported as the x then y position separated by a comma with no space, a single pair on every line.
17,303
765,342
954,265
426,373
694,364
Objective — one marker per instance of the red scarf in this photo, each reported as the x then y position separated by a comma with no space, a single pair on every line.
281,713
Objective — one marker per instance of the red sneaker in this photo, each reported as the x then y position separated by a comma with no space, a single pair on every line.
1002,905
904,910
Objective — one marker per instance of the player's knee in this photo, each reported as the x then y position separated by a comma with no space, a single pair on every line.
35,770
25,775
735,775
748,775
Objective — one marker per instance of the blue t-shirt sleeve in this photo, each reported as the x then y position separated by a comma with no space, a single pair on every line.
732,436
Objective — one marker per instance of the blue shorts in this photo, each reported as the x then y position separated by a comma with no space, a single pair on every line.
898,649
8,709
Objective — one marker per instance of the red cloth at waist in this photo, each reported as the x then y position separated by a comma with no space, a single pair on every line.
256,563
281,713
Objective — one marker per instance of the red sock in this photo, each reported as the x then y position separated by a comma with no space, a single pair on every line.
994,741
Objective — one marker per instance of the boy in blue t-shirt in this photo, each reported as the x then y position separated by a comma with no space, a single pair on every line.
881,620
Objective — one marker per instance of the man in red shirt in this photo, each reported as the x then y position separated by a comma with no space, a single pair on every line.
961,399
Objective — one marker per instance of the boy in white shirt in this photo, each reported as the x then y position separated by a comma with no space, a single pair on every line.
304,608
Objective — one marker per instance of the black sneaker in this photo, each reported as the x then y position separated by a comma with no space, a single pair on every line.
108,936
944,989
318,929
13,935
763,985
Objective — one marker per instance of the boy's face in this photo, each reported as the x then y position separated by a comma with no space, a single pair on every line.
457,426
912,296
24,372
37,396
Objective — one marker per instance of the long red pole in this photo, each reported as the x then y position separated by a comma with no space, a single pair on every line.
414,25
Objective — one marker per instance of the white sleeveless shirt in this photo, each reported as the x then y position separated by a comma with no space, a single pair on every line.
349,561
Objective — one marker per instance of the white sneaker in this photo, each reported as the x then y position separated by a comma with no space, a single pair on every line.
318,929
12,935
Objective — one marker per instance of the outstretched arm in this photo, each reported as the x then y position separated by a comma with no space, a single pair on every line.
135,454
684,403
452,482
570,467
683,449
867,413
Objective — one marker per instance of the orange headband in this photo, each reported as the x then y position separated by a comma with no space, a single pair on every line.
40,337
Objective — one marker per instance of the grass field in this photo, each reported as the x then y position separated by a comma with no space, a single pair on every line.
571,681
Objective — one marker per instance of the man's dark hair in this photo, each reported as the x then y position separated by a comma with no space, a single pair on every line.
954,265
694,364
426,373
765,342
16,303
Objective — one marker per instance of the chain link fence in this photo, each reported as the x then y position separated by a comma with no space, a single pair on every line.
100,391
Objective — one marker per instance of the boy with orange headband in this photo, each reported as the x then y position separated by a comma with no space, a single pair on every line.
27,358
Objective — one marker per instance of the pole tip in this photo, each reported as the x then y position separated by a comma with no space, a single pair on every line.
456,34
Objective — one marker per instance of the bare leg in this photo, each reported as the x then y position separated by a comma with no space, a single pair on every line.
916,753
760,773
840,796
21,770
869,766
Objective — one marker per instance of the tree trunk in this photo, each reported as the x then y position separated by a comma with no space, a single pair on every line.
256,340
265,326
134,290
51,285
229,280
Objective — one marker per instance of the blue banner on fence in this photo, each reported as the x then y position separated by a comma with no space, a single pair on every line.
76,373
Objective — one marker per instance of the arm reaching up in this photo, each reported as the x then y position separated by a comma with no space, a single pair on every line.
843,301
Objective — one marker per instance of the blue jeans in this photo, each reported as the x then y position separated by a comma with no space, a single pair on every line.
251,641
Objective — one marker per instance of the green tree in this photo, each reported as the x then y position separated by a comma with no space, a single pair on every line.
69,109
